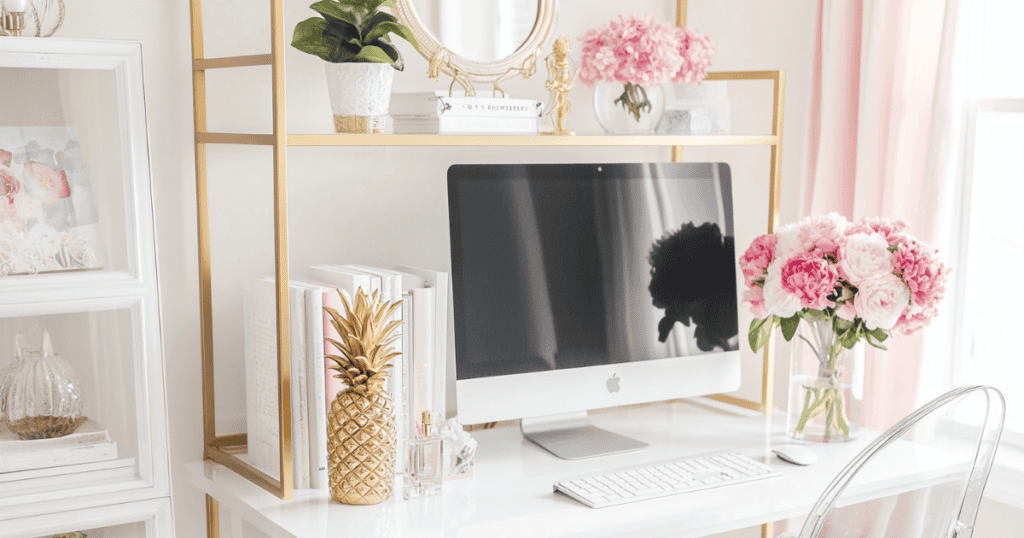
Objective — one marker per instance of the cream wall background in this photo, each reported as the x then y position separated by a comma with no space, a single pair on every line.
386,205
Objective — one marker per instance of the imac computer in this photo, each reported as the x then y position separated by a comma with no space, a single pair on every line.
586,286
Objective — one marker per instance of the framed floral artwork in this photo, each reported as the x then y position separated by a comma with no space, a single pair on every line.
48,218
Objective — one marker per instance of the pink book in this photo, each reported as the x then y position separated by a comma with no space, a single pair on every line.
333,384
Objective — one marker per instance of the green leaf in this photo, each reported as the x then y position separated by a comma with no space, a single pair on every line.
848,339
760,332
814,315
382,24
879,334
840,325
789,327
872,342
372,54
391,51
352,12
309,38
346,33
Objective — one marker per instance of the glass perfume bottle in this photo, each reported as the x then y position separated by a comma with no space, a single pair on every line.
424,470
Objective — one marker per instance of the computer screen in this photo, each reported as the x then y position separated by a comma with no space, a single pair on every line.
573,269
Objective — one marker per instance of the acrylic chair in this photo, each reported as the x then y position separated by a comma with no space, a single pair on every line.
952,441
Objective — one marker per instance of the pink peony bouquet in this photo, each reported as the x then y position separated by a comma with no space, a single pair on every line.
869,279
640,52
849,282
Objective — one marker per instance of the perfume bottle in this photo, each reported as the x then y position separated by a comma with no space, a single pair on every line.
425,471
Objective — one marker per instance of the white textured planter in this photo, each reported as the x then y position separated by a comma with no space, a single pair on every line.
359,93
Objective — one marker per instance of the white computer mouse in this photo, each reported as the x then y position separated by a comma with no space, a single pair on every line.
795,454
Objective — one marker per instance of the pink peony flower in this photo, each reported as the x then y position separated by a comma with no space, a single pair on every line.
755,297
811,279
823,234
53,184
777,299
757,258
924,274
863,256
640,50
881,300
891,230
914,319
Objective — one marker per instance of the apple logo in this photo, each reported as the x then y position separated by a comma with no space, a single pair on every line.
613,383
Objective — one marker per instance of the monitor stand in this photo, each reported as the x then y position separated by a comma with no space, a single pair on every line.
571,436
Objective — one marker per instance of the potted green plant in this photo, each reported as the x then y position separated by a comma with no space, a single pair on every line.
353,37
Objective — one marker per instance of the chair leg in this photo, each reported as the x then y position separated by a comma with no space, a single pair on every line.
213,518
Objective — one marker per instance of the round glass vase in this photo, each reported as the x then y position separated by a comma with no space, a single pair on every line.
612,103
826,386
40,393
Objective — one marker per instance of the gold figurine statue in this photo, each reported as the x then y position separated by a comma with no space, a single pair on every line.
443,58
561,76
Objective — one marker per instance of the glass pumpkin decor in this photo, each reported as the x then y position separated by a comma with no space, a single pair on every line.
40,393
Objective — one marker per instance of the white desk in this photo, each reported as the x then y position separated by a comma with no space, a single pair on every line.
510,493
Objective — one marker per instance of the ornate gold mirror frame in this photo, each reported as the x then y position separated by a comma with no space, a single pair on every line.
465,71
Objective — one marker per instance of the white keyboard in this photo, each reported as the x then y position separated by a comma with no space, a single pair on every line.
663,478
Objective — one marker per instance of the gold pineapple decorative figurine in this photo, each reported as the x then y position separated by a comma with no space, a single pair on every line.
361,425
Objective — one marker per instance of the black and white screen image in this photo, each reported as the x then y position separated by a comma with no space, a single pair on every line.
574,265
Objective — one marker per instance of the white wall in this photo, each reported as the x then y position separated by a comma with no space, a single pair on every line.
378,206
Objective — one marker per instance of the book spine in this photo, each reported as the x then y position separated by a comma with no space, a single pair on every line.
470,107
315,388
300,455
474,125
71,480
423,351
406,364
58,457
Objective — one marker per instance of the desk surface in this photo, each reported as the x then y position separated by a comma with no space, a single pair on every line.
510,492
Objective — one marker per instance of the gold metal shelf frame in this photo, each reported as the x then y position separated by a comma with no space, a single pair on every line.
224,449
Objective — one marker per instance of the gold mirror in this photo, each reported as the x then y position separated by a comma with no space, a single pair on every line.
480,40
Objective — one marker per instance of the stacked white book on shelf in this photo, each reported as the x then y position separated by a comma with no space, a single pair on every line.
415,386
85,457
437,113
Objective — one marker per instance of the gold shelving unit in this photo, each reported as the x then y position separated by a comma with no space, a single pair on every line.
224,449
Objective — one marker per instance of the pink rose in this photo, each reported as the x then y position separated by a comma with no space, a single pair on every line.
863,256
810,278
9,185
924,274
755,297
777,299
823,234
757,258
881,300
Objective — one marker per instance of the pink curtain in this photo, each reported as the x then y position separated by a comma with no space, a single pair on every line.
876,85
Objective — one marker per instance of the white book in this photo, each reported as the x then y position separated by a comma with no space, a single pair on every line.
376,284
406,365
262,420
88,433
391,286
316,383
464,125
18,484
404,99
57,457
439,281
423,366
468,106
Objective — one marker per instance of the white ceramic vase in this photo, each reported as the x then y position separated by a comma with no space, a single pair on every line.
359,93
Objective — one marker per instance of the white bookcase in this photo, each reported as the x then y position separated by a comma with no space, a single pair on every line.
82,105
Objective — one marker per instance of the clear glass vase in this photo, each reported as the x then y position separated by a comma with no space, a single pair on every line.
628,109
40,393
826,386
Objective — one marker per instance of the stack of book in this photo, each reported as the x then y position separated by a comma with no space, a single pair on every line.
437,113
87,456
417,381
